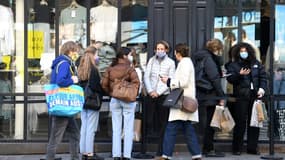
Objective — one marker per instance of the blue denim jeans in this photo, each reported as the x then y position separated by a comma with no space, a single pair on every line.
170,137
122,113
59,125
89,124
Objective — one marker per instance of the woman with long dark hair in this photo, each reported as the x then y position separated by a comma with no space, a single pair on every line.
249,81
123,113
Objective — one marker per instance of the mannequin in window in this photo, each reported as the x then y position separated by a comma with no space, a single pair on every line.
103,19
7,40
134,12
73,24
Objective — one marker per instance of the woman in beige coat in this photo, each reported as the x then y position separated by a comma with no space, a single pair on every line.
184,78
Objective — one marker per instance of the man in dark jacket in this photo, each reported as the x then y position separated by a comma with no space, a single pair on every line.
210,96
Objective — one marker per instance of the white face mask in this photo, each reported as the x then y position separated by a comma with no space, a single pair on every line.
130,58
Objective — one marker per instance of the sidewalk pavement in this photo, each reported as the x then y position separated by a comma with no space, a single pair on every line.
177,156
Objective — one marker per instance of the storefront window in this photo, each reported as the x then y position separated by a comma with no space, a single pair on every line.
41,52
226,29
103,30
251,16
279,50
11,68
134,28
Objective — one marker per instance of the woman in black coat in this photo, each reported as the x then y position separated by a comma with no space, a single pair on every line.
249,81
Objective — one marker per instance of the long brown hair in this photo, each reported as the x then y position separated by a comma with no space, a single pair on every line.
87,62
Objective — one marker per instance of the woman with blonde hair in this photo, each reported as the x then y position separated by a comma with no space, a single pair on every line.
89,75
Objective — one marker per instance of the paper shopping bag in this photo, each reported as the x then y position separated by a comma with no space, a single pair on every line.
227,121
216,119
256,119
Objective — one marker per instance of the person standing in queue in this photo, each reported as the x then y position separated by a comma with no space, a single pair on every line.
64,74
249,80
210,96
89,75
123,113
157,115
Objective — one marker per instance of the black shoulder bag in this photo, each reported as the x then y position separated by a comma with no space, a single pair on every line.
92,99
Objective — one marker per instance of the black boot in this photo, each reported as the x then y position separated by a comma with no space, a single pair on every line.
126,158
117,158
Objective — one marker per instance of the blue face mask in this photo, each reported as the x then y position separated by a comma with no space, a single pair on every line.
243,55
160,54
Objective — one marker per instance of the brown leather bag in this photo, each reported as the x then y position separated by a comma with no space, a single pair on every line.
189,105
124,90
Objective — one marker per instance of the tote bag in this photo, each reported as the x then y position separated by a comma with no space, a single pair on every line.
64,101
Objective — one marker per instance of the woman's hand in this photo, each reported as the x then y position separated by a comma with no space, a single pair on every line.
260,93
153,94
163,79
222,102
244,71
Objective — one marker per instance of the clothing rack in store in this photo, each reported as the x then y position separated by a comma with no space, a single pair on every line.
74,4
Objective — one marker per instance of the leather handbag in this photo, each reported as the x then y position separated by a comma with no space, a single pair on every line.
124,90
189,105
174,99
92,99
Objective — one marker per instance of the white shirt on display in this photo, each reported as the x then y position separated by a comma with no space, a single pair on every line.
104,22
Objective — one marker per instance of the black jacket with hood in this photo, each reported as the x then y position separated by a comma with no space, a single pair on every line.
212,69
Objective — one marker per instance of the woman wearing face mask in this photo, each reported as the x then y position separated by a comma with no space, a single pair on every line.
89,75
160,65
249,81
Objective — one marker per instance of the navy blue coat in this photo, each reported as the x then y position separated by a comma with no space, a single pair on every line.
242,83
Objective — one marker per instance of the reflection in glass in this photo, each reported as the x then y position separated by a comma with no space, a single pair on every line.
37,119
251,14
226,29
40,43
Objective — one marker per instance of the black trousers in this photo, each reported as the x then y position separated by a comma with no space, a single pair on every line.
241,112
206,132
157,118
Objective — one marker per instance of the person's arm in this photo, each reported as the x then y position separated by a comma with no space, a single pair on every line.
214,76
233,72
263,81
134,78
94,81
105,81
147,75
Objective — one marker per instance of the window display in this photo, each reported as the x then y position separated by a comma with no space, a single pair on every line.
104,22
72,23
